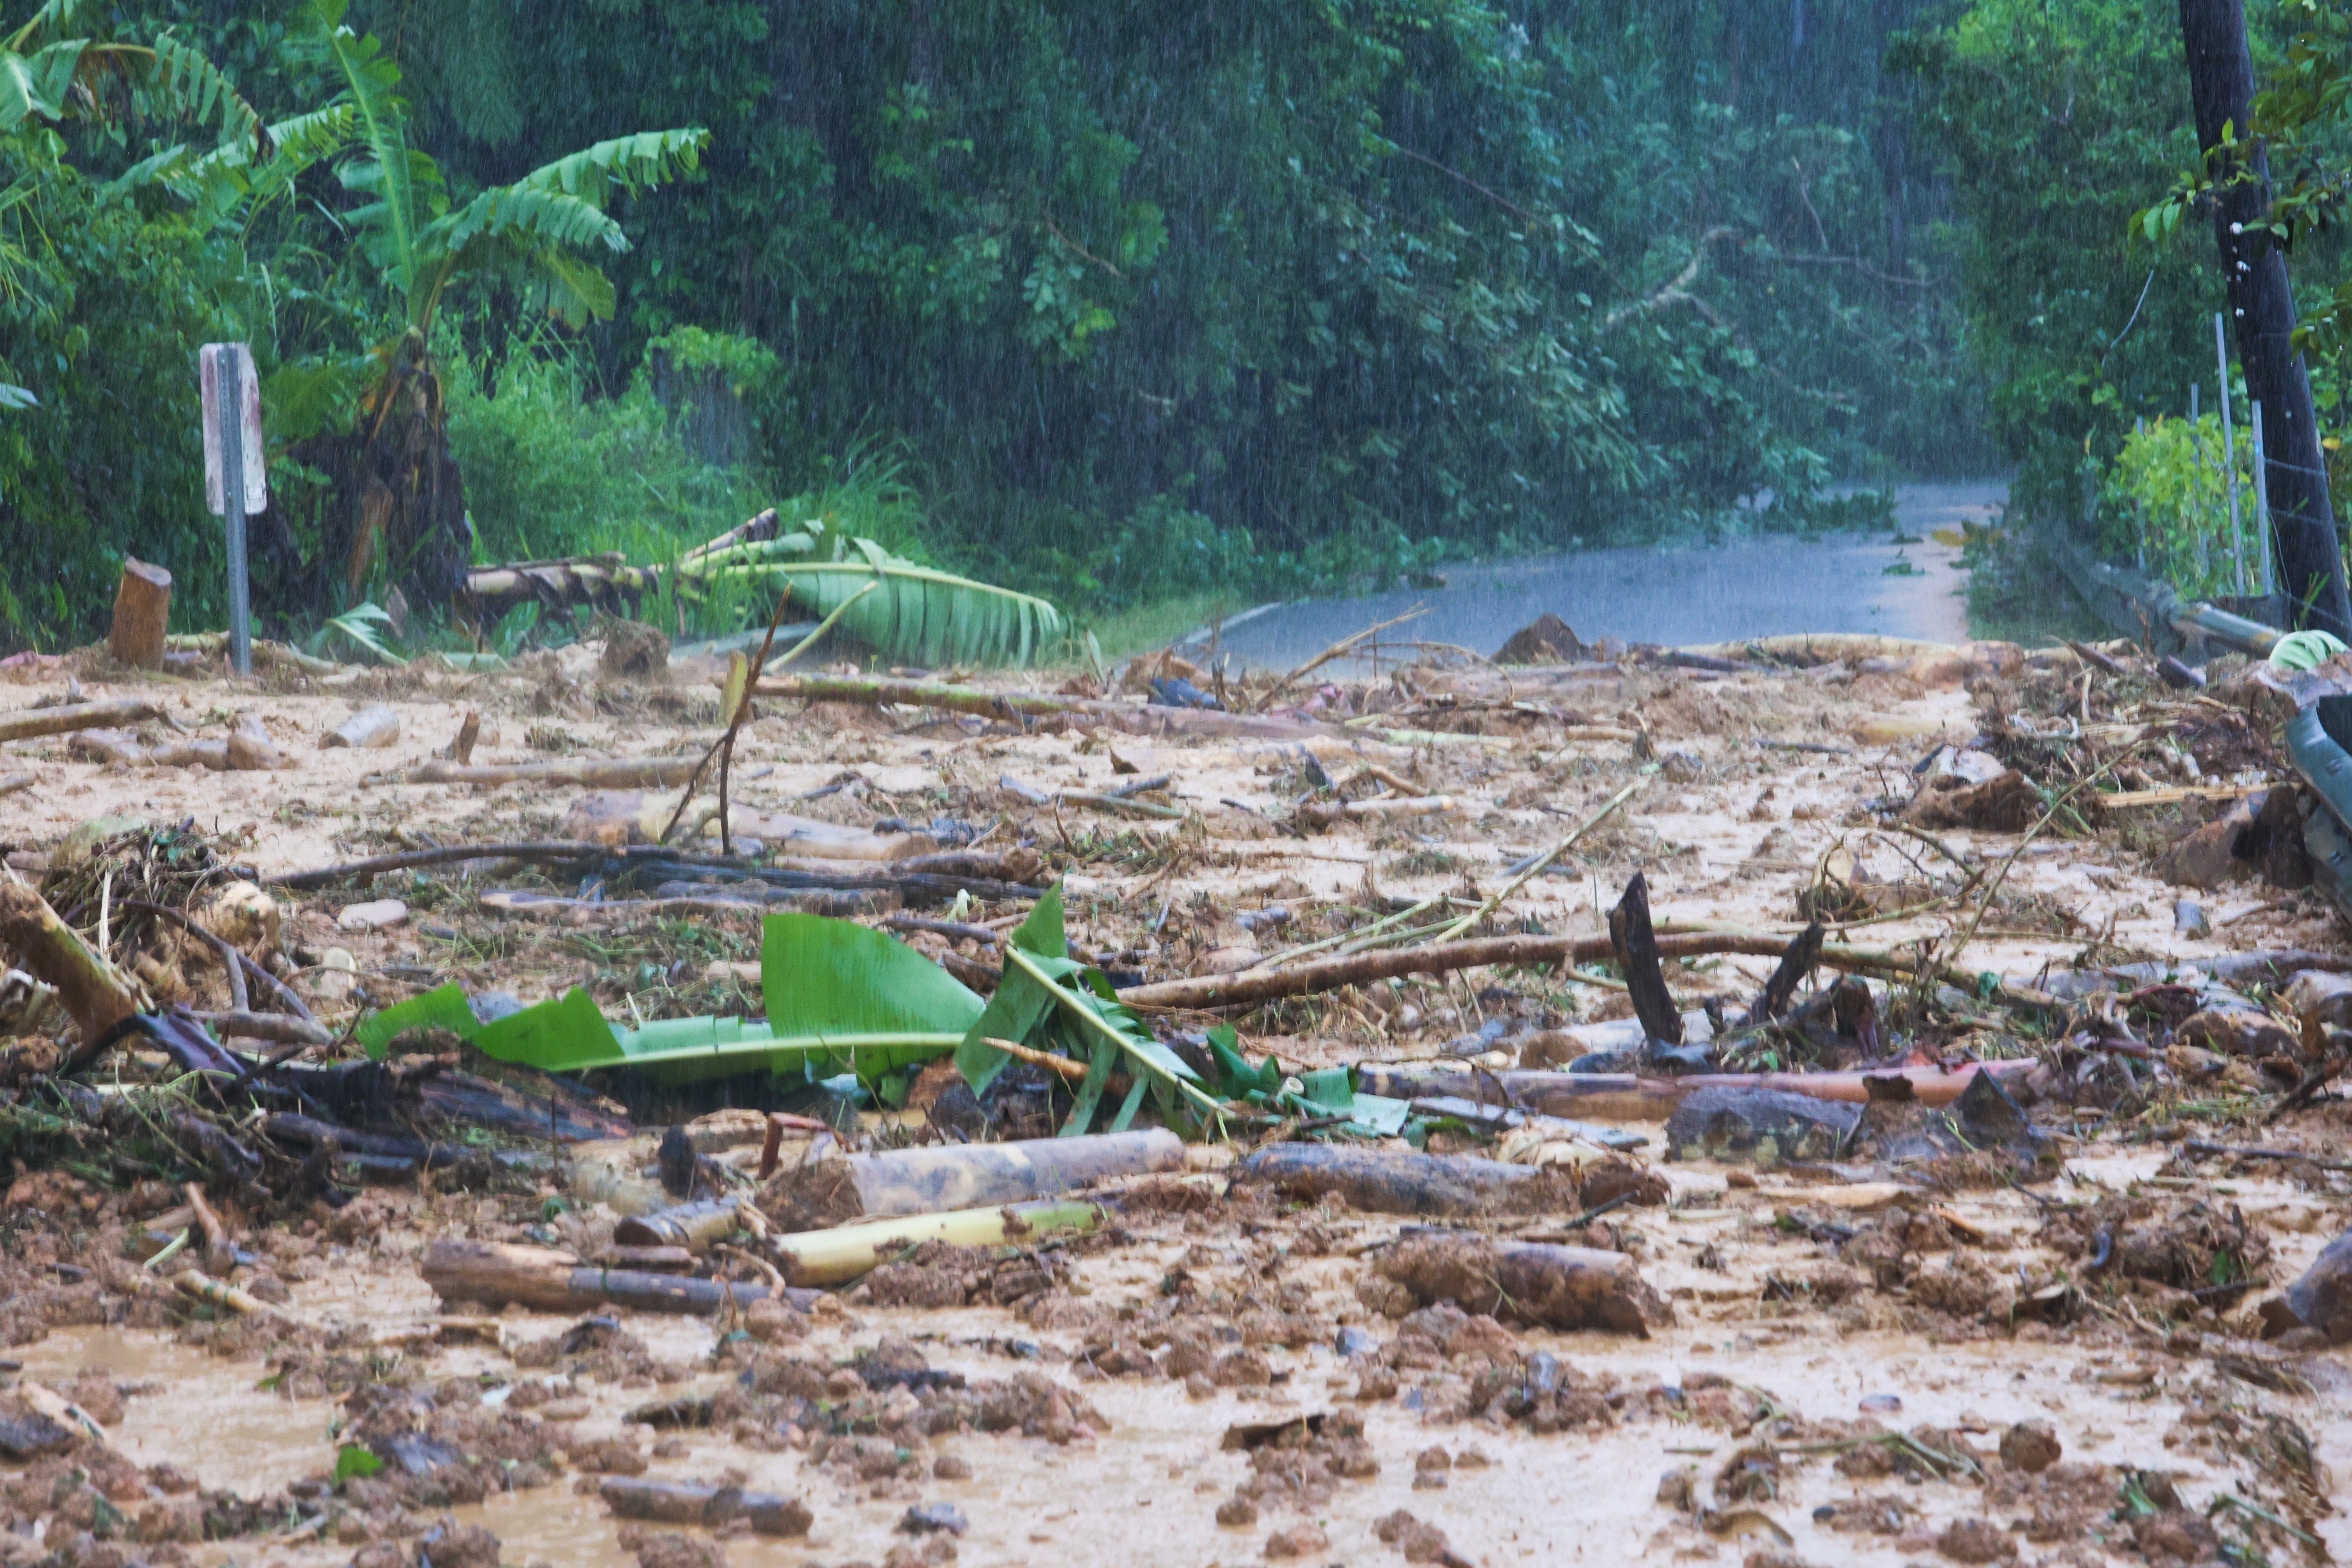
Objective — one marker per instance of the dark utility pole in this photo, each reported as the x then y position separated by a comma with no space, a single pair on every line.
2262,321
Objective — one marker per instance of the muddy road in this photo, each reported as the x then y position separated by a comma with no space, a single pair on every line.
2060,1343
1744,588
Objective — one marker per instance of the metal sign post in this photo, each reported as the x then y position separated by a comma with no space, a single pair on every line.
236,480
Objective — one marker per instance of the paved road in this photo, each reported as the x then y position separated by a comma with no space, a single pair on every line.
1749,588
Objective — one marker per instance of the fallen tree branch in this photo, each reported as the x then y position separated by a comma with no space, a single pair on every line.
1254,986
545,852
1145,719
31,722
1339,650
93,992
1626,1096
615,773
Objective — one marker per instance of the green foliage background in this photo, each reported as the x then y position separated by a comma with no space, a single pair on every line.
1116,300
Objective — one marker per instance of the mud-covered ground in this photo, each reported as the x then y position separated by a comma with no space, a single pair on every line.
1890,1362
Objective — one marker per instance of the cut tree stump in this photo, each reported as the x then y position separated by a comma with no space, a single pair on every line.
143,604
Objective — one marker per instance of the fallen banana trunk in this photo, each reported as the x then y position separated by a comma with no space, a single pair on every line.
1532,1284
1623,1096
1253,986
852,1251
693,1226
31,722
683,1503
95,995
827,1192
1146,719
615,772
1388,1180
212,1292
495,1273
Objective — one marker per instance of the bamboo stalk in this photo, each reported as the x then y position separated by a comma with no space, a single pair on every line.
1538,866
844,1253
1143,719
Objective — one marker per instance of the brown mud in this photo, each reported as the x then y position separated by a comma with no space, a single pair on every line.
1853,1347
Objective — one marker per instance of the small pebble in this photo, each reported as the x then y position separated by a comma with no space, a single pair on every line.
376,914
1881,1404
2032,1446
926,1519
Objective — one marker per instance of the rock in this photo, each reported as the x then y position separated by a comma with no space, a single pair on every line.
950,1468
1880,1403
245,916
930,1518
371,729
376,914
1894,1125
1546,1286
449,1544
1546,639
2006,802
634,651
1762,1125
1239,1512
2188,919
1976,1541
27,1433
2260,834
2242,1031
337,974
2323,1001
1299,1540
1419,1541
2032,1446
250,748
2322,1299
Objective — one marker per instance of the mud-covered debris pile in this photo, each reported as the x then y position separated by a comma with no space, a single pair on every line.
1862,1097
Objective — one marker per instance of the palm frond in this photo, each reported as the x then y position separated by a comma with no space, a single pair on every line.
920,613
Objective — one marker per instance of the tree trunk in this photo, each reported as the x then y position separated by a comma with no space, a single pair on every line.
2261,316
396,498
143,604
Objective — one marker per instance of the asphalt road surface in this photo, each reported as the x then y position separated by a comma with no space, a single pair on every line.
1673,596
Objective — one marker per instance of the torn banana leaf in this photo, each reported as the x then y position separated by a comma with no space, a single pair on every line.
1051,1002
842,998
1325,1092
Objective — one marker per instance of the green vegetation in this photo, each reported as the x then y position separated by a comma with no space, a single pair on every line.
1119,309
1270,300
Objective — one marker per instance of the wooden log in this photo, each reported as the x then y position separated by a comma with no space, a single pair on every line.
1623,1096
960,1176
27,723
143,604
1392,1181
460,749
616,773
693,1226
369,728
1325,813
1537,1285
93,992
684,1502
495,1273
851,1251
1635,943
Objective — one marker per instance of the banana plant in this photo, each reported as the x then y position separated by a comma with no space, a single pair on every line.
907,610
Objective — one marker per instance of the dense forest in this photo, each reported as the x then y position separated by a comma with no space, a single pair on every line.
1107,302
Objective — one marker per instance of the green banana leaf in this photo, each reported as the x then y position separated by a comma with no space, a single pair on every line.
930,616
1049,1001
842,997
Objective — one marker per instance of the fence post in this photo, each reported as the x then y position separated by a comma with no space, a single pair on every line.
232,458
